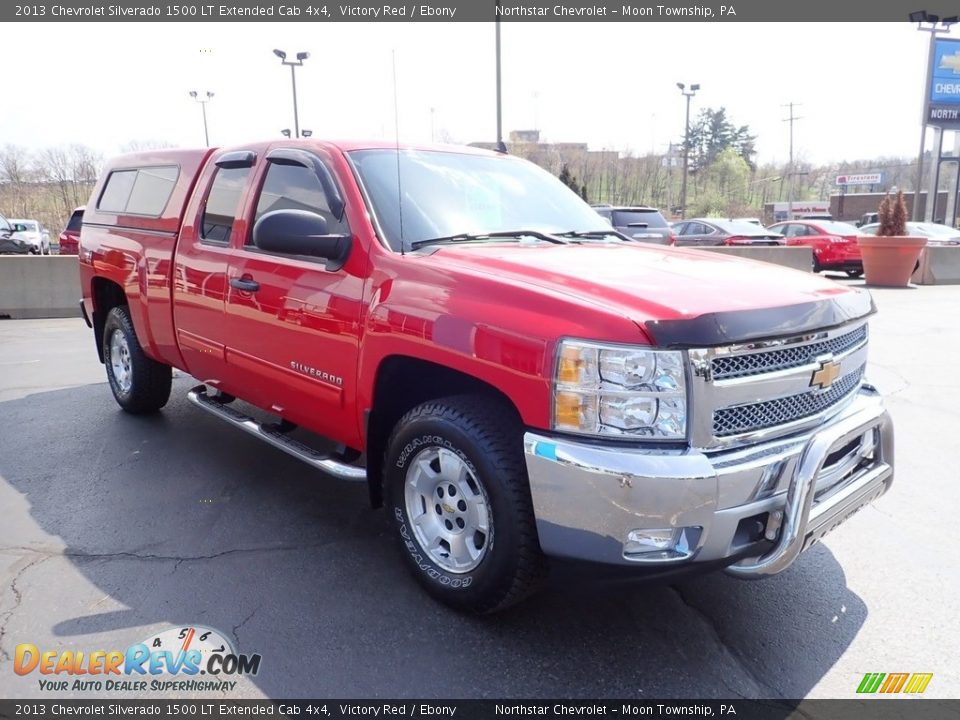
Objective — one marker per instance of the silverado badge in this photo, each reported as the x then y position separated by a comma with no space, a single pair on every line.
824,376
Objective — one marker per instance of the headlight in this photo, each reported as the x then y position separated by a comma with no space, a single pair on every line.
620,390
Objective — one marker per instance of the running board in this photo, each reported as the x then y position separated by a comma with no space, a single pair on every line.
328,464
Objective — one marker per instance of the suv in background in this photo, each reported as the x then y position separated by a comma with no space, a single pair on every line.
868,219
9,243
70,237
637,222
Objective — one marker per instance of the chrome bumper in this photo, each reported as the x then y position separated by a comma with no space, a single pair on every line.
589,498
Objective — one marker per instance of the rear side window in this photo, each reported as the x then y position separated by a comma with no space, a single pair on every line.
223,202
294,187
141,191
75,221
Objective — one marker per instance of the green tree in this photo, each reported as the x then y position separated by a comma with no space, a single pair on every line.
712,133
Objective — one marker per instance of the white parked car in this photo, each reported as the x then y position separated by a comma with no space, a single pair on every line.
33,233
935,233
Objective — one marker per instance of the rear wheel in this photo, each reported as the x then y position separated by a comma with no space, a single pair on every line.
458,497
855,273
139,384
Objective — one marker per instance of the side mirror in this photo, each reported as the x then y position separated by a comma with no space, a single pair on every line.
299,232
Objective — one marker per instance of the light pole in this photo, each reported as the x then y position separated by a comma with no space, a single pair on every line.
301,56
203,105
686,147
501,146
933,25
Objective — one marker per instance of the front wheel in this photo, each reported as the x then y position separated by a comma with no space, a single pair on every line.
458,497
854,273
139,384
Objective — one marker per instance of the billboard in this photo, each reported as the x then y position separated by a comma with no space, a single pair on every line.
943,99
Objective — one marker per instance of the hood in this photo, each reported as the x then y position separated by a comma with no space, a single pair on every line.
679,296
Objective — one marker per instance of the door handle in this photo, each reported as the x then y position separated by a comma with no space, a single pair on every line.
245,284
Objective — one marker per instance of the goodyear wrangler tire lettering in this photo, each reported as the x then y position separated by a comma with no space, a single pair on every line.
458,497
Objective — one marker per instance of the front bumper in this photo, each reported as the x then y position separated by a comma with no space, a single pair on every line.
589,498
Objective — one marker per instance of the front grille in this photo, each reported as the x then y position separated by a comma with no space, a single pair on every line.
757,416
737,366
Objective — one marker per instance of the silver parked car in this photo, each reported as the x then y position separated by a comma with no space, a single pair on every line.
716,231
34,233
935,233
9,243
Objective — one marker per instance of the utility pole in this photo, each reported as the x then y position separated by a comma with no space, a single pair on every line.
791,171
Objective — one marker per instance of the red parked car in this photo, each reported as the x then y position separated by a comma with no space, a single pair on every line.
70,237
834,244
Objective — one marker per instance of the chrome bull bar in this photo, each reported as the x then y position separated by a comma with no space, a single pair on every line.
868,484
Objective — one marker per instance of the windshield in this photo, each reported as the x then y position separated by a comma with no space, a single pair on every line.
446,194
30,225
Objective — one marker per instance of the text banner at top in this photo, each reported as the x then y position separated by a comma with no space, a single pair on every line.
463,10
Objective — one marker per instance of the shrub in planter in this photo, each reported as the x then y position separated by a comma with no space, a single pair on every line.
890,256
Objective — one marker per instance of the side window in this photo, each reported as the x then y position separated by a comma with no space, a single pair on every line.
790,230
294,187
679,228
223,202
117,191
151,190
140,191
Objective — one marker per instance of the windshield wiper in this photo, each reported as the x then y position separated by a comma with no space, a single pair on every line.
479,237
590,234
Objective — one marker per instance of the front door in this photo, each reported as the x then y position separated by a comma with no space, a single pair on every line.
294,325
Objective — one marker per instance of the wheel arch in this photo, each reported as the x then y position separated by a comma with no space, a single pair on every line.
106,295
402,382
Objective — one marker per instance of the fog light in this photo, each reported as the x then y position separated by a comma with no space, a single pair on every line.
661,545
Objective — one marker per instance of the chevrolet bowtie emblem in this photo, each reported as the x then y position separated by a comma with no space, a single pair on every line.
824,376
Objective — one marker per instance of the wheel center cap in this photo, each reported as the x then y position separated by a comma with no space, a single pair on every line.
447,508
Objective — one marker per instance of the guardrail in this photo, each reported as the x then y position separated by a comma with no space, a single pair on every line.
39,286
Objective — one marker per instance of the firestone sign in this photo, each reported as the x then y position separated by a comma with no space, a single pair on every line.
943,100
860,179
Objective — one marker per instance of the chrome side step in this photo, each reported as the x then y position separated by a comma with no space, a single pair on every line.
198,396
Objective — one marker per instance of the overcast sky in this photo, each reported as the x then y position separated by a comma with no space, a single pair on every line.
611,85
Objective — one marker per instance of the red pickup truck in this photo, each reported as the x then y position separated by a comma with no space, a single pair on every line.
510,376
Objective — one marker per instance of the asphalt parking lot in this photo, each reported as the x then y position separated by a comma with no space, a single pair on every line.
113,528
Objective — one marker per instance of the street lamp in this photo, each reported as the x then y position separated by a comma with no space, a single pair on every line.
934,26
306,133
294,64
285,132
686,147
203,104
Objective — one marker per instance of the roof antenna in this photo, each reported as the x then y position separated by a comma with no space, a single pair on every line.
396,133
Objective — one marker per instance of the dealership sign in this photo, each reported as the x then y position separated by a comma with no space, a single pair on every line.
861,179
943,100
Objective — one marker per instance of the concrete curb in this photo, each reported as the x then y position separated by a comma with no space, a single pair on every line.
939,265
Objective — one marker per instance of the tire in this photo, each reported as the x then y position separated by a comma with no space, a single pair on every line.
854,273
817,267
139,385
475,444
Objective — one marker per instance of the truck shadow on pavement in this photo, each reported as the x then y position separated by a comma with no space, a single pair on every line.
137,524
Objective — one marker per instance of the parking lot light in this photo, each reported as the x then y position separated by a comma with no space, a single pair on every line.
294,64
203,104
686,146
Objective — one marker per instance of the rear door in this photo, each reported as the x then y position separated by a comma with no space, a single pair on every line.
293,325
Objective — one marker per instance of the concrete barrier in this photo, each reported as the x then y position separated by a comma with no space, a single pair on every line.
798,258
35,286
939,265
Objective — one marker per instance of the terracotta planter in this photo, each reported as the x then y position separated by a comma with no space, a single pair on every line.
889,261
